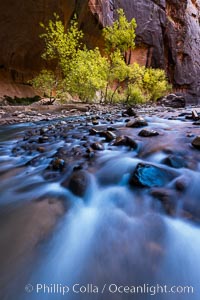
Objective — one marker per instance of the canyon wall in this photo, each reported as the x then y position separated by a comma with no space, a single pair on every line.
168,36
168,33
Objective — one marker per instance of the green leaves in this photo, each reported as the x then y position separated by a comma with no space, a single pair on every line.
87,74
60,44
45,82
121,35
155,83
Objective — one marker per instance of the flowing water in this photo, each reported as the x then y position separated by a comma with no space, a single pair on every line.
115,235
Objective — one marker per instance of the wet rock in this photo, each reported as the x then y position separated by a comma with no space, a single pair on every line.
175,161
110,128
138,122
173,100
93,131
78,183
36,161
63,122
21,116
195,115
120,141
191,210
58,164
97,146
109,135
197,123
43,130
129,112
191,134
90,153
95,122
131,143
167,197
182,183
189,117
43,139
41,149
196,142
150,176
148,133
125,141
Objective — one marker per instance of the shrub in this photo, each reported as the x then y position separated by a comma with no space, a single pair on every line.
155,83
135,95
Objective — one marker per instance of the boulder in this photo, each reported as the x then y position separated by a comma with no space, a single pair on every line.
148,133
78,183
136,123
146,175
196,142
129,112
173,100
125,141
195,115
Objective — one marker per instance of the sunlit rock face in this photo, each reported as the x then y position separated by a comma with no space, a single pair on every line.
168,36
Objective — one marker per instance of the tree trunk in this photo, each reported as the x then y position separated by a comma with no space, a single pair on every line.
111,100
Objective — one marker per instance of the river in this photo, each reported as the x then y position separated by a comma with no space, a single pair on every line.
129,216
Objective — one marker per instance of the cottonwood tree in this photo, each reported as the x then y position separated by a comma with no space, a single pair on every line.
83,72
46,82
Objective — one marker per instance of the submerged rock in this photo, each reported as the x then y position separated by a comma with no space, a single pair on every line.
150,176
175,161
167,197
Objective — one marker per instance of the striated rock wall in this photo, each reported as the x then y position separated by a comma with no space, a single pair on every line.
168,36
20,48
170,32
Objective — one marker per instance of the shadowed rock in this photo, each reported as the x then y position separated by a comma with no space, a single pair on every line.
77,183
196,142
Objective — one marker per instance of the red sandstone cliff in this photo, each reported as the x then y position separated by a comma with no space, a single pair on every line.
168,36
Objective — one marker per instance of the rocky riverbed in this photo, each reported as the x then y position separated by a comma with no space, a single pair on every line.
105,195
